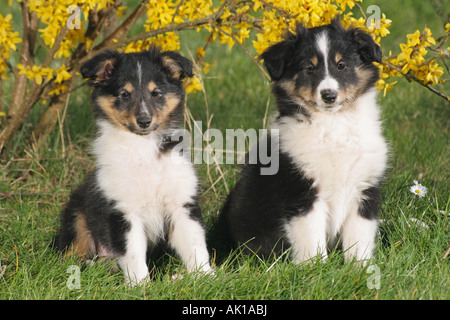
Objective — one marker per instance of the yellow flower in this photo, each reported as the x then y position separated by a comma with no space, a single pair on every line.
383,85
200,52
434,73
206,66
193,84
384,24
406,52
8,39
35,73
447,27
430,39
134,47
344,3
62,74
58,90
413,39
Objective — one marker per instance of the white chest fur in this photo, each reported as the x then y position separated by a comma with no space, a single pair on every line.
145,183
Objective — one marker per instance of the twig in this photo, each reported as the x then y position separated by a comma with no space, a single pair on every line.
361,10
446,253
245,50
176,11
152,33
209,148
124,27
58,40
266,113
411,77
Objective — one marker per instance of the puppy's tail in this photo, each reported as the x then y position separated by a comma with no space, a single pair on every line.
66,235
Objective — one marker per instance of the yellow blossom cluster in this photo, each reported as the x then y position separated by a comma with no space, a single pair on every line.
282,15
54,15
8,41
39,74
412,61
162,13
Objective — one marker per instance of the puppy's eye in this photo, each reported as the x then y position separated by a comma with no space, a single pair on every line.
156,93
341,65
311,69
125,94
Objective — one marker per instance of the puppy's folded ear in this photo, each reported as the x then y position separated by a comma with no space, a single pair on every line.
276,57
368,50
100,68
176,65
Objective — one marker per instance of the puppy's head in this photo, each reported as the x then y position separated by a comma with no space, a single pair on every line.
322,69
139,92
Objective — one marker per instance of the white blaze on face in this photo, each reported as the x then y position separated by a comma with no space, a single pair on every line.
328,85
139,72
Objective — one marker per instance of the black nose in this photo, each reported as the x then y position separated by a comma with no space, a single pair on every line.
329,96
144,121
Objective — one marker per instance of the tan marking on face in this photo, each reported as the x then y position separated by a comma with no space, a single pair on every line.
162,116
288,86
118,118
351,93
337,57
129,87
307,98
315,61
301,95
151,86
83,246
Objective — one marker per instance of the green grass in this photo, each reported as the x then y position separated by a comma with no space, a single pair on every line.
36,185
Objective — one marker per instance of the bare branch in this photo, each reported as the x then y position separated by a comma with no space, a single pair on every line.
245,50
411,77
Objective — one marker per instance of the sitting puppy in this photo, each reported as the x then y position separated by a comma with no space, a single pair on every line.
332,156
140,192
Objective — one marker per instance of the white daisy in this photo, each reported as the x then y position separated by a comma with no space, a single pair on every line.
418,189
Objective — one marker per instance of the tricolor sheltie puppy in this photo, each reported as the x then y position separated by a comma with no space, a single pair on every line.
332,155
139,193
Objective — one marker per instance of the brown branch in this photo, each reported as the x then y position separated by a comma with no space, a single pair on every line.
176,11
20,112
25,58
411,77
15,117
361,10
172,27
56,45
245,50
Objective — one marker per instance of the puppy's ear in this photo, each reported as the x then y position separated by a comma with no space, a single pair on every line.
278,55
100,68
176,65
368,50
336,23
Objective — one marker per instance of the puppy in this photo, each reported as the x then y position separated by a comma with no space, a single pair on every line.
332,155
140,192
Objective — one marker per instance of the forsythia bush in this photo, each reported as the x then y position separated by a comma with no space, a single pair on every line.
70,32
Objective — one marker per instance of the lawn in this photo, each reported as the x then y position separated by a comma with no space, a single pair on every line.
409,262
